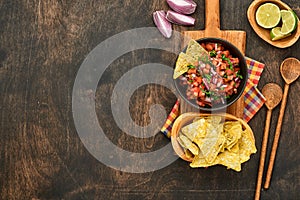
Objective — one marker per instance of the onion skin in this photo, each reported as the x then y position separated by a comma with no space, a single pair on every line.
163,25
179,19
182,6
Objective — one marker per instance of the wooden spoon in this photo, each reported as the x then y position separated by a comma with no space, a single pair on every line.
288,72
273,95
265,33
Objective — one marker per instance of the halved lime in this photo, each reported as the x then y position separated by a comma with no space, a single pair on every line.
277,35
268,15
289,21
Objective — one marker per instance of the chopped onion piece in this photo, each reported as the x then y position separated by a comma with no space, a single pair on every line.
180,19
205,83
163,25
222,99
213,71
219,83
207,99
183,6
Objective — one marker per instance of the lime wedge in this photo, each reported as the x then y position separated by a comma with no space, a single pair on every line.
277,35
289,21
268,15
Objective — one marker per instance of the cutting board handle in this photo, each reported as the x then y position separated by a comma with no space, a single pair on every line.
212,17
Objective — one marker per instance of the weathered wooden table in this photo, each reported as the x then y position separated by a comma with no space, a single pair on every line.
42,46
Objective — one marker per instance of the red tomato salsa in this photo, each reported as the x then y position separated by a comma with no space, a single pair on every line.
212,81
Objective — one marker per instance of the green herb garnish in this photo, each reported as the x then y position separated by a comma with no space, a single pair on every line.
228,60
215,98
239,75
212,53
208,77
208,93
191,67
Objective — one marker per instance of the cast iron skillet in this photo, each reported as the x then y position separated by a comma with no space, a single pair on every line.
243,70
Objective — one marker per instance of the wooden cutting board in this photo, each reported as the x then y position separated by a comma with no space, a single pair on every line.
212,29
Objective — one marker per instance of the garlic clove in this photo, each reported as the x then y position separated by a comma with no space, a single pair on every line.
179,19
163,25
182,6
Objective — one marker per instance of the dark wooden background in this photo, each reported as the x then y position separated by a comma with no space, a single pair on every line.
42,45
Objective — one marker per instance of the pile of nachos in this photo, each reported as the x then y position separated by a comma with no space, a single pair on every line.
209,141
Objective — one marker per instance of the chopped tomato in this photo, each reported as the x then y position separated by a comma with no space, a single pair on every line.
229,72
192,71
198,80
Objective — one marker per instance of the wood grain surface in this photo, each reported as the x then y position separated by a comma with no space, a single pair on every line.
43,44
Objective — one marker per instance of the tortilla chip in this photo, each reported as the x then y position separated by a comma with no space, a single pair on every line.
188,154
182,63
227,159
195,129
230,159
188,144
235,148
212,143
247,146
200,161
196,51
232,132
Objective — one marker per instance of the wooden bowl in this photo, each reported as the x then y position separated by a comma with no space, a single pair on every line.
265,33
187,118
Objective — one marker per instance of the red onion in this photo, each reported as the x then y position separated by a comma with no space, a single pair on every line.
214,80
213,71
205,83
222,99
163,25
216,46
207,99
180,19
219,83
202,66
183,6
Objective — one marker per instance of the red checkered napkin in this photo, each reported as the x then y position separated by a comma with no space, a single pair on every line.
255,69
253,98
